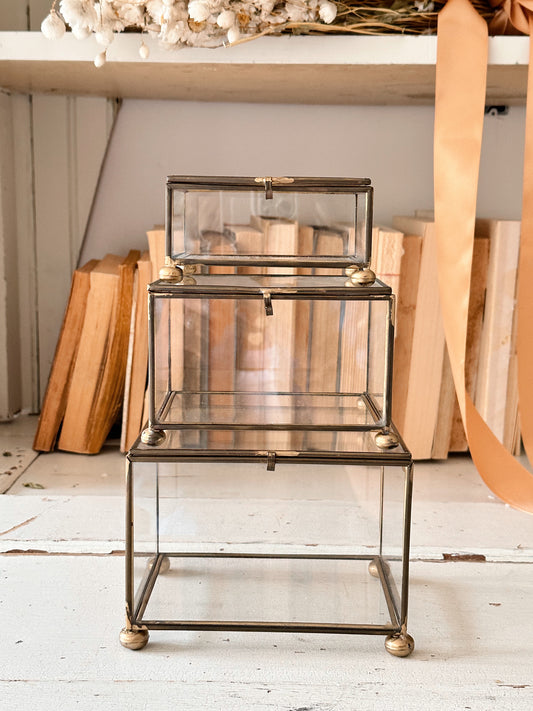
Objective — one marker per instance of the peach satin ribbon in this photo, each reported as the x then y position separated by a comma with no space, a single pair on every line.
462,53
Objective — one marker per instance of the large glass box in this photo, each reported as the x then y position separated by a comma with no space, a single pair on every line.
203,557
269,221
285,352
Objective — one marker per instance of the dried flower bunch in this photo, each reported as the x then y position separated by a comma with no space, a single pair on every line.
212,23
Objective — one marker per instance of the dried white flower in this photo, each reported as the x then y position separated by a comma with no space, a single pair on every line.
424,5
144,51
80,32
100,60
233,34
198,11
130,15
226,19
53,26
327,12
104,36
109,18
79,12
296,11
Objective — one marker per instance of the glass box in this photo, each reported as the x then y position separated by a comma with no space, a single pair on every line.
270,352
201,556
269,221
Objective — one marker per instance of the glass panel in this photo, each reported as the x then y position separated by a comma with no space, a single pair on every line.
207,508
203,506
234,225
393,528
144,482
379,355
225,362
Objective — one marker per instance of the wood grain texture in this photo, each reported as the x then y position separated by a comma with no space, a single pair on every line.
55,398
427,352
496,337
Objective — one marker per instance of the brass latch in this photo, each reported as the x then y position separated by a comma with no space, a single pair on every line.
271,461
270,182
268,303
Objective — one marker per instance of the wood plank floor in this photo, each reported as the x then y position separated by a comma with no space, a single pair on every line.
61,606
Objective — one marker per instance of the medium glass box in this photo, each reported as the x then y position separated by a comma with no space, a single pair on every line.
263,352
269,221
205,554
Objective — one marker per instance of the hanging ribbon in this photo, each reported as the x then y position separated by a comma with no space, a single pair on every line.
462,53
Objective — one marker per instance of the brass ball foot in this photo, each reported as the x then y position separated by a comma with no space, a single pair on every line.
373,569
385,439
171,272
165,564
360,276
134,637
400,644
152,437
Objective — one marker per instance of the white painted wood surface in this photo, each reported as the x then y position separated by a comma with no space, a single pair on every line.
321,69
61,617
69,142
63,591
10,380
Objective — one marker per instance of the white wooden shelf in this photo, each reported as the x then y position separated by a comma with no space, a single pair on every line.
308,70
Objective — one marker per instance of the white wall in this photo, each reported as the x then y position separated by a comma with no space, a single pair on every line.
391,145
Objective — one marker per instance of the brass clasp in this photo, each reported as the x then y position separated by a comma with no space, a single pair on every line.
270,182
268,303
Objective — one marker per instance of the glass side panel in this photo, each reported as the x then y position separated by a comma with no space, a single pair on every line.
393,529
226,361
235,224
144,483
239,509
380,340
203,506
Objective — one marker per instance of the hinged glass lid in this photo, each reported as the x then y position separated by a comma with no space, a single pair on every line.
266,221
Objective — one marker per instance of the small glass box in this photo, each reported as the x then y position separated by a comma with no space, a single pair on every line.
215,544
269,221
292,353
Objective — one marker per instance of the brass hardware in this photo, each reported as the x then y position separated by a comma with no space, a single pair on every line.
270,182
134,637
271,461
268,303
359,277
171,272
373,569
400,644
385,439
165,564
152,437
189,269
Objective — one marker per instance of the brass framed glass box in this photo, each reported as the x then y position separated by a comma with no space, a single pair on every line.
283,222
298,353
193,561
